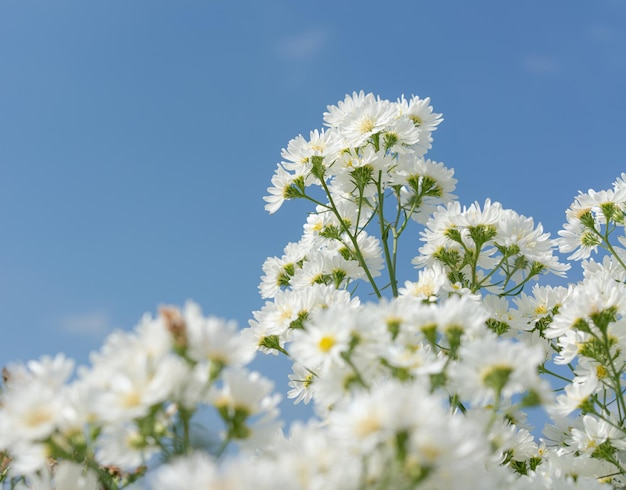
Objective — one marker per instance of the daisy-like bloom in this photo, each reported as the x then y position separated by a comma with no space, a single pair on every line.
282,188
247,405
326,337
123,446
519,233
534,312
570,344
421,114
489,215
361,168
575,396
402,135
451,224
431,282
279,271
215,340
508,441
322,226
372,253
276,317
426,184
458,316
607,270
489,368
300,382
194,388
336,114
369,118
415,358
336,259
338,382
32,405
406,423
590,297
310,458
196,470
595,432
314,270
326,267
562,471
500,314
586,217
620,184
299,152
578,238
131,389
290,309
378,324
606,205
374,417
538,305
133,372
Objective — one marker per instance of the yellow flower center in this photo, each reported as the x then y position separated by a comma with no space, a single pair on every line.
367,125
326,343
132,399
38,416
416,120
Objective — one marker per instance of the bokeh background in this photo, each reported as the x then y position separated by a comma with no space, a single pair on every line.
138,137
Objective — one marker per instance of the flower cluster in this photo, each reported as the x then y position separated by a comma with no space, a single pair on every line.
134,405
429,386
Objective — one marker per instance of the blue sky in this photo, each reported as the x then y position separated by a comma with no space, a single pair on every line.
137,138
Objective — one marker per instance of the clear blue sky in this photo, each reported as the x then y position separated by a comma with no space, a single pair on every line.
137,138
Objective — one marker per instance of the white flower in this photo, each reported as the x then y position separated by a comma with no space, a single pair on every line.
279,192
337,114
578,238
131,389
195,471
591,296
123,445
462,315
432,281
575,396
279,271
327,335
245,398
570,344
490,367
520,232
214,339
34,400
421,114
369,118
426,184
300,382
596,432
325,143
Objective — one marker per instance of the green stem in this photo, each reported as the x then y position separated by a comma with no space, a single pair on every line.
607,244
384,235
357,251
543,369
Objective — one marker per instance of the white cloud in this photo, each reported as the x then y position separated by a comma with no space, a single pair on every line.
600,33
302,46
537,63
91,324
